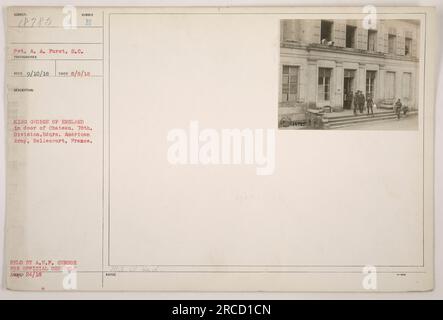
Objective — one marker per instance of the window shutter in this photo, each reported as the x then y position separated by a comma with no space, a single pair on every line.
414,48
288,30
362,38
400,44
284,29
339,34
380,40
385,42
413,37
316,25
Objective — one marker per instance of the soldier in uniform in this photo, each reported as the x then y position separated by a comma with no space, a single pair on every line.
398,106
355,101
361,103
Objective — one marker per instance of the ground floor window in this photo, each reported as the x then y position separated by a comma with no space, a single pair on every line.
290,83
324,84
407,86
370,83
390,85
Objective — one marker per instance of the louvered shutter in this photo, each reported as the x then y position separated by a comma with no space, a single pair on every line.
385,42
414,48
412,35
380,40
362,39
316,26
288,30
339,34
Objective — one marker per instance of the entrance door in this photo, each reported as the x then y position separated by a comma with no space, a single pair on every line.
348,88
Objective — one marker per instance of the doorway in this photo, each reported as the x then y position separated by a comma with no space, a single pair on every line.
348,88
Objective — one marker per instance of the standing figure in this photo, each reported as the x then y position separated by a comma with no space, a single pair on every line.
370,104
355,101
398,106
349,100
361,102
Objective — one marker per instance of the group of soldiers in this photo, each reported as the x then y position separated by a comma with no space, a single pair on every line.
359,100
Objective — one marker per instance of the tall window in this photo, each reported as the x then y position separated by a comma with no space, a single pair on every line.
372,40
407,76
408,46
370,83
390,85
391,43
350,36
290,82
326,31
324,84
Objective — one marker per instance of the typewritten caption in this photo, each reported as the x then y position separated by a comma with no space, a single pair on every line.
52,131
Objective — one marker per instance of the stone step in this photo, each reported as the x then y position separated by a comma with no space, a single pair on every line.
366,116
359,116
348,122
386,107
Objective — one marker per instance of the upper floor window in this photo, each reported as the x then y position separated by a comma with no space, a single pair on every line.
408,46
372,40
392,39
326,31
350,36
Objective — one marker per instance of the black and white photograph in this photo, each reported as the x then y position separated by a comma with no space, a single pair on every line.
346,74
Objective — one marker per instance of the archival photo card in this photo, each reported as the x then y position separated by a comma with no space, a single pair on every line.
188,149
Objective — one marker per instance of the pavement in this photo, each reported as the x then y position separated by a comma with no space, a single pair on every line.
405,123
